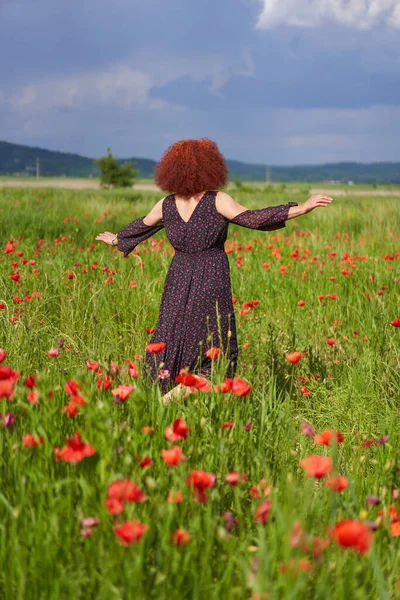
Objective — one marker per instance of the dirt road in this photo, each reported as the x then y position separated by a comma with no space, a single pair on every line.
82,184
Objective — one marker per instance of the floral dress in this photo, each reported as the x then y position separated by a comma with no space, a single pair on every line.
196,310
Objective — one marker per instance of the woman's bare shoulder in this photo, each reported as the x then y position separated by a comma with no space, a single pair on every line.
227,206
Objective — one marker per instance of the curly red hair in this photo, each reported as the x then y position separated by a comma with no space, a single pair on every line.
190,167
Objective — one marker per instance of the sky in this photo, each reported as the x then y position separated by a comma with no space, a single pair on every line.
278,82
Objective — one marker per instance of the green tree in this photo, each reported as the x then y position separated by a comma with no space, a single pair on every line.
113,174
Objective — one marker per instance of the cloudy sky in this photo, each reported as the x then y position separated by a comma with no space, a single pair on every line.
271,81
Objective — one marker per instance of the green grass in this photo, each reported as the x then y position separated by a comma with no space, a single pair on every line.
42,501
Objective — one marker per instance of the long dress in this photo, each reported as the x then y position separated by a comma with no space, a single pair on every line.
196,310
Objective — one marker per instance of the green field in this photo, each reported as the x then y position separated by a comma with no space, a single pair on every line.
61,289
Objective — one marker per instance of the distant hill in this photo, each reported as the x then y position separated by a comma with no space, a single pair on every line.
18,159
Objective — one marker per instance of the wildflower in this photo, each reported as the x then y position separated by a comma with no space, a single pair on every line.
200,481
146,462
173,457
330,342
180,537
155,348
6,389
185,378
8,420
248,426
351,533
72,387
337,483
30,381
230,521
316,466
122,392
240,387
213,353
3,355
70,409
234,478
53,352
262,489
178,431
92,365
147,429
307,430
33,397
395,322
262,512
301,303
130,532
328,436
293,357
227,425
126,491
31,441
175,497
75,450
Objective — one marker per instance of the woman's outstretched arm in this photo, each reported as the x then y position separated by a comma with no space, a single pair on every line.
135,232
270,218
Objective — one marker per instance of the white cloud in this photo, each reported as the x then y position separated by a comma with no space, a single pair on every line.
360,14
121,86
126,87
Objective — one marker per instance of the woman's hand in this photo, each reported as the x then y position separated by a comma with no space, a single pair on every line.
107,237
315,202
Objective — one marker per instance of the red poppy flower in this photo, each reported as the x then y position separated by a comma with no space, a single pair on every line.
75,451
155,348
8,373
301,303
30,381
147,429
70,409
92,365
178,431
330,342
173,457
123,391
352,533
202,384
328,436
213,353
72,387
3,355
227,425
175,497
262,512
234,478
200,481
31,441
77,400
396,322
316,466
185,378
126,490
337,483
240,387
130,532
146,462
294,357
114,506
6,389
53,352
226,385
180,537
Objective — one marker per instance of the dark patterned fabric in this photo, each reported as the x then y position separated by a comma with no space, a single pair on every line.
196,310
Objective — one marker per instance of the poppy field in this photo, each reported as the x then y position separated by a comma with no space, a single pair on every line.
281,483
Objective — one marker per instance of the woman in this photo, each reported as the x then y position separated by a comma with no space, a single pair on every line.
196,311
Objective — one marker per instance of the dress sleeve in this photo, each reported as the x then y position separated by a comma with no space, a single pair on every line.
134,233
264,219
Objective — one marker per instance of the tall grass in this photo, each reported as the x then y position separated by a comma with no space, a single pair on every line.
99,317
